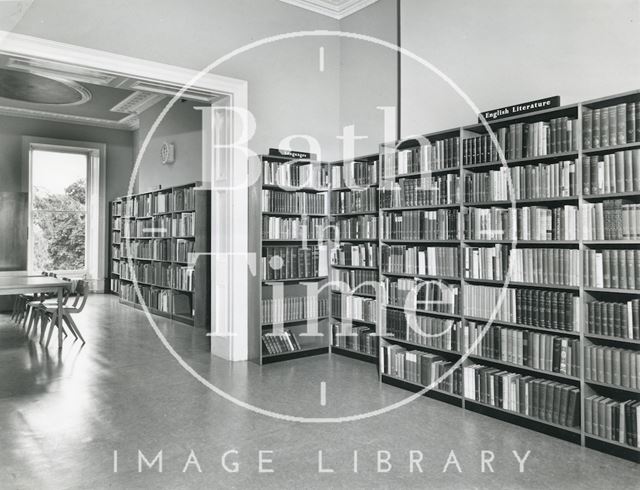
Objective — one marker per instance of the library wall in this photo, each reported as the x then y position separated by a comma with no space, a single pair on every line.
368,73
288,94
536,36
181,126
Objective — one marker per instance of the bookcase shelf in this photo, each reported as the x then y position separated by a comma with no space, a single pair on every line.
422,312
425,207
528,369
611,148
523,326
417,345
612,290
354,354
441,395
522,284
524,161
632,391
187,298
522,202
608,338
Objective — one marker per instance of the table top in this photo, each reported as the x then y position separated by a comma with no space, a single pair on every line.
9,283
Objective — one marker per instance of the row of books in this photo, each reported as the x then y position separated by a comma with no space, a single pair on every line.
429,331
158,226
164,300
355,228
360,339
291,262
432,155
355,201
355,255
115,251
420,260
612,319
314,175
417,295
115,266
184,199
176,200
421,368
138,206
160,274
612,268
539,181
523,140
116,224
114,285
611,173
354,174
354,281
294,228
610,126
117,208
293,202
548,266
557,310
182,249
157,249
611,220
183,225
536,350
615,420
440,224
116,237
424,191
278,310
347,307
524,223
537,398
613,366
279,343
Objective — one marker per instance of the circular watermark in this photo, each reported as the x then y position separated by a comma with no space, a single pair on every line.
463,355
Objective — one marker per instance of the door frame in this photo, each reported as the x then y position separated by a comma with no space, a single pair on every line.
235,94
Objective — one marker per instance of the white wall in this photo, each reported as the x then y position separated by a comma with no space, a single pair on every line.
368,73
503,51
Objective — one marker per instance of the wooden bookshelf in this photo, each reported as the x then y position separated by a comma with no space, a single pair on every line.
272,224
577,153
150,222
349,181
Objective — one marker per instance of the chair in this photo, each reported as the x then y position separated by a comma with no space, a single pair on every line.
21,310
74,303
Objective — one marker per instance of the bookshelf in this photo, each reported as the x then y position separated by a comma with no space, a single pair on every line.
154,236
290,238
354,257
567,331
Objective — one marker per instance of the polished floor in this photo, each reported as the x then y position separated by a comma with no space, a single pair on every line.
62,418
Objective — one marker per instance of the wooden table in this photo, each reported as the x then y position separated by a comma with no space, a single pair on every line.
23,284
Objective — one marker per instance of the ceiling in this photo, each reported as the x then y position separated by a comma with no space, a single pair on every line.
337,9
41,89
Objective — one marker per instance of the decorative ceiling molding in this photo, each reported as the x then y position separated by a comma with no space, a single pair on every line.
137,103
336,9
169,90
60,70
128,123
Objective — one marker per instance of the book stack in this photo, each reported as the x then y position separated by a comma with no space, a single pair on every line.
614,268
360,338
116,237
278,343
427,296
291,262
557,310
420,260
433,332
352,255
183,224
142,206
421,368
434,155
293,309
614,319
538,181
181,277
290,228
295,175
162,202
184,199
354,201
116,208
610,126
354,174
524,223
293,202
612,219
355,228
348,307
612,366
523,140
542,399
357,282
115,266
160,226
612,419
611,173
161,249
536,350
441,224
115,251
182,249
424,191
550,266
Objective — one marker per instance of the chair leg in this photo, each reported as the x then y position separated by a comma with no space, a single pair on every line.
54,321
14,312
75,328
33,321
66,319
44,320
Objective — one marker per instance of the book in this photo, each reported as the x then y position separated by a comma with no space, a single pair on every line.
420,260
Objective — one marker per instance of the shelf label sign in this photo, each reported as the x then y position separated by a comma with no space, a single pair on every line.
299,155
523,108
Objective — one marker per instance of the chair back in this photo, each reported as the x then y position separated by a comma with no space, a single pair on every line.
81,291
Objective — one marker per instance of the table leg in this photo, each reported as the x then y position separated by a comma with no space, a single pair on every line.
59,319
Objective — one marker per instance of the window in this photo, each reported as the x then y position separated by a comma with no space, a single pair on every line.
59,218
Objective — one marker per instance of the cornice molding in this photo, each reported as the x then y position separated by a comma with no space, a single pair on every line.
330,9
128,123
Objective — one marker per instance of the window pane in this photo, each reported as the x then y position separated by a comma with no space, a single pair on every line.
59,240
59,181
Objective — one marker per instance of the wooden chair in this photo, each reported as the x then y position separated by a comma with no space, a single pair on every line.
74,304
21,308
